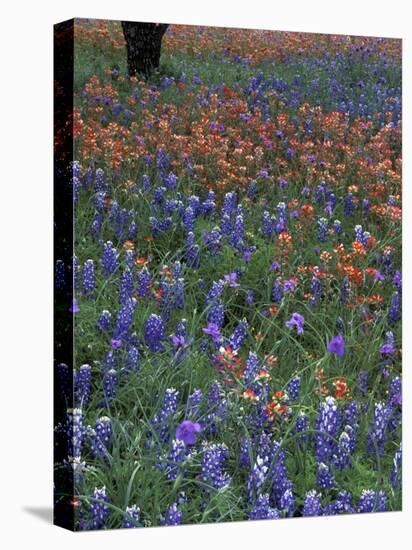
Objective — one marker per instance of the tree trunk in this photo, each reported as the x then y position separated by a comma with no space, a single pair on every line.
143,43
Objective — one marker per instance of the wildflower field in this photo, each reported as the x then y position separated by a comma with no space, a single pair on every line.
237,279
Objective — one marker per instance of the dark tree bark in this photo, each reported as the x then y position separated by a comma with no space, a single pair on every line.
143,43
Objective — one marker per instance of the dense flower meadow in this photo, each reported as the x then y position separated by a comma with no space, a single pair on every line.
237,279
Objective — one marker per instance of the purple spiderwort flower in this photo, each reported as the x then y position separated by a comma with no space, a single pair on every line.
187,431
290,285
297,320
387,349
247,254
116,343
213,330
378,276
178,341
74,308
232,280
337,345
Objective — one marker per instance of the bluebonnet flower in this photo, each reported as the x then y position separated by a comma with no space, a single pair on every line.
328,422
253,365
394,313
100,183
257,477
146,182
245,452
187,431
343,503
214,458
229,202
99,199
279,472
163,419
82,385
350,415
189,219
179,293
126,285
323,229
263,510
143,282
293,388
268,226
386,261
192,254
130,259
277,291
193,403
217,407
337,227
158,195
397,281
324,477
301,425
132,230
345,291
287,503
297,320
395,476
170,181
104,320
76,431
251,190
132,360
312,505
337,345
175,459
250,297
216,314
215,292
110,382
110,361
316,290
237,338
100,437
99,511
109,259
376,436
173,516
213,241
154,333
160,225
237,235
125,319
367,501
362,382
381,502
395,391
176,271
348,205
208,206
132,517
226,224
365,207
